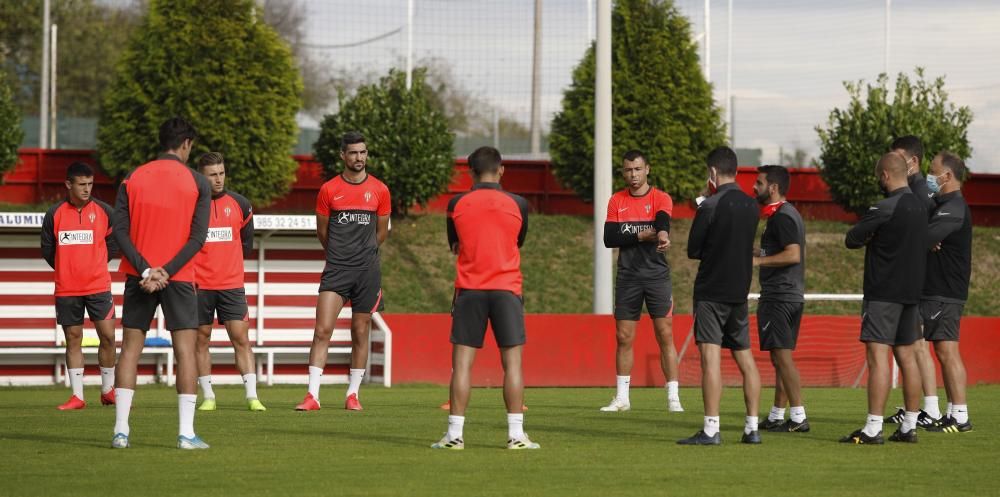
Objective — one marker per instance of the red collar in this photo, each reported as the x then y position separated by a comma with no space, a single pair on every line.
770,209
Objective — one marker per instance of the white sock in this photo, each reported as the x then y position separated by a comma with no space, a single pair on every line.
949,410
185,410
123,405
751,425
354,381
76,381
909,421
250,383
711,425
931,406
515,426
206,387
961,413
798,414
455,425
672,390
315,374
873,426
623,382
776,414
107,379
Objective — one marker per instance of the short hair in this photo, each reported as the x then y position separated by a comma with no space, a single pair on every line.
911,144
954,163
350,138
484,160
173,133
209,159
79,170
777,175
723,159
634,154
894,164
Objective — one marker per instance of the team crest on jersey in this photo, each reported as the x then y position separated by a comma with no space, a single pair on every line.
79,237
368,196
227,210
92,217
647,208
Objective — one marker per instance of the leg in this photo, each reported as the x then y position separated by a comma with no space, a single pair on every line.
624,336
877,356
787,384
953,370
668,352
204,359
513,383
780,399
711,377
328,307
239,335
106,350
74,346
925,365
128,361
184,343
751,380
361,323
462,357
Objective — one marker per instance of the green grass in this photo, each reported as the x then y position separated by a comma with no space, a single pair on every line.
557,261
383,450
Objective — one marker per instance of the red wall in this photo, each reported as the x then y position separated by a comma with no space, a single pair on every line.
39,178
579,350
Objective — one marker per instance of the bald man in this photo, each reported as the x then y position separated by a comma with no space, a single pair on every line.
894,235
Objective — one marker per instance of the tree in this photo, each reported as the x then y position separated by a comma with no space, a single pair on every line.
10,129
662,104
409,144
218,66
858,135
91,36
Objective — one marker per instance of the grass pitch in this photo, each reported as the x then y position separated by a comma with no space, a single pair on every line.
383,450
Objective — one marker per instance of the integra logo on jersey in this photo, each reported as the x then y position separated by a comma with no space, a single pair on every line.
219,235
81,237
634,229
354,218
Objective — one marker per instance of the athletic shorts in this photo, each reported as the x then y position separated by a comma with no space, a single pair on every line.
362,287
472,309
778,324
99,306
230,305
631,293
722,324
179,301
890,323
941,320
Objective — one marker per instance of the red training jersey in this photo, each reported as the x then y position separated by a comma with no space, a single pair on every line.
628,215
78,243
219,263
161,218
489,226
353,209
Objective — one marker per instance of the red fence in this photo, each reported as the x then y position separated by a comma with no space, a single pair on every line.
40,174
579,350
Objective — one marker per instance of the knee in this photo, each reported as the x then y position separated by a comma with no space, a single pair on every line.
625,337
322,334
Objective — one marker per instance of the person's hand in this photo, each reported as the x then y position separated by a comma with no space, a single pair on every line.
156,281
756,252
756,260
454,248
662,241
937,248
647,235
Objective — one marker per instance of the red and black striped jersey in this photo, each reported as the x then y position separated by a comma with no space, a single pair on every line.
353,209
78,243
161,218
219,263
489,226
627,216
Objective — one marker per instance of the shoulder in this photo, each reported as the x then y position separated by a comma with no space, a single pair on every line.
455,200
55,208
240,200
379,184
522,203
104,206
662,196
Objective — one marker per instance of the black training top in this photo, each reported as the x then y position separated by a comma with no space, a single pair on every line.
949,268
785,283
722,237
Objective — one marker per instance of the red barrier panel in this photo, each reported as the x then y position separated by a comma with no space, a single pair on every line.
39,177
579,350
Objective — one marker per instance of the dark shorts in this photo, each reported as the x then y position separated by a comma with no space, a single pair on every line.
362,287
179,301
941,320
99,306
230,305
630,295
472,309
778,324
890,323
723,324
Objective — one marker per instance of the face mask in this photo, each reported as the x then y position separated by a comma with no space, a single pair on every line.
932,184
